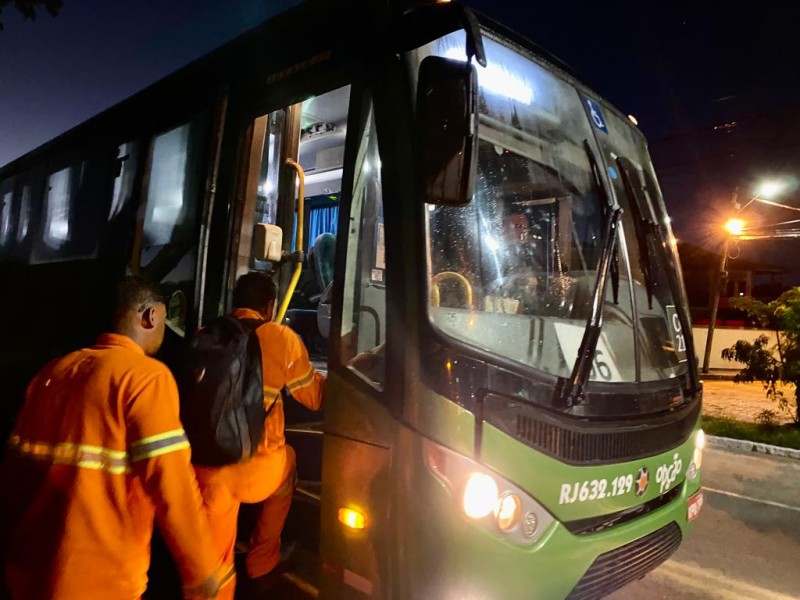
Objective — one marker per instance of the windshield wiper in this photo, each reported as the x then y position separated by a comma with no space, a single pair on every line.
667,260
645,227
602,194
594,324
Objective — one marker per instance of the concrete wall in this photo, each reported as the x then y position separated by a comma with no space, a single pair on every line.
724,337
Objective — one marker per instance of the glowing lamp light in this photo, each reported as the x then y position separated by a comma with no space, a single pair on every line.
633,120
699,445
352,518
770,189
508,512
734,226
480,495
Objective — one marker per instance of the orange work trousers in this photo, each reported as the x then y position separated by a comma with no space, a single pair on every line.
268,478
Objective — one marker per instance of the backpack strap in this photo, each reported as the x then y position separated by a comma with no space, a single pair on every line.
252,325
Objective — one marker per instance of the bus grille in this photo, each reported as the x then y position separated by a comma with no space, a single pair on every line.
597,524
590,446
612,570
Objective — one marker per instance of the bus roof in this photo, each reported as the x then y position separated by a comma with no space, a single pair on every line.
263,50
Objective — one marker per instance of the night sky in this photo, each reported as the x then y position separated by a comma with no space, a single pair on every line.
677,66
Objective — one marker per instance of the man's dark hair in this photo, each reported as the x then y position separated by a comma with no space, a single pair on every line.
135,294
255,291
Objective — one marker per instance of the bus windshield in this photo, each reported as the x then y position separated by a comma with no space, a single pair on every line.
513,272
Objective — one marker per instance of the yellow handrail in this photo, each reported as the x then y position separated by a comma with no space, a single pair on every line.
450,275
298,239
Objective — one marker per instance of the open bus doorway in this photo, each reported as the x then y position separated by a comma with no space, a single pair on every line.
313,134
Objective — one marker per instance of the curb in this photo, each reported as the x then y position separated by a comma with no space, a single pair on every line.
747,446
718,376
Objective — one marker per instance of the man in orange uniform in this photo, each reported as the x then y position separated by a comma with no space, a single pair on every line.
270,474
97,453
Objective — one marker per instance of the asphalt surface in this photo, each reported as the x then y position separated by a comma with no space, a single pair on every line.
746,544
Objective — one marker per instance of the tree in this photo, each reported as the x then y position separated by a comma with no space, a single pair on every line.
28,7
759,357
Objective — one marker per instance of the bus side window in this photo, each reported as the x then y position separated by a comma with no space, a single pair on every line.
24,216
364,305
27,192
58,204
124,171
72,211
6,217
166,246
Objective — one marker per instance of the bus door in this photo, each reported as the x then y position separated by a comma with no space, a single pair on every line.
338,308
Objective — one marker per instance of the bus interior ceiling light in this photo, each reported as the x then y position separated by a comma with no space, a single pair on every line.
323,176
496,79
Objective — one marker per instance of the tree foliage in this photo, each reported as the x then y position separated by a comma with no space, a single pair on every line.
28,8
759,357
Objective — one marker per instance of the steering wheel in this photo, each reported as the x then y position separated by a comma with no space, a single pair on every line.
445,275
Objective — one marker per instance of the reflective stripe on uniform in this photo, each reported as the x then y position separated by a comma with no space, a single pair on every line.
303,381
271,395
228,578
157,445
83,456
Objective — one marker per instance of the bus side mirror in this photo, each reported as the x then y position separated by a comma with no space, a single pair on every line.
268,242
447,130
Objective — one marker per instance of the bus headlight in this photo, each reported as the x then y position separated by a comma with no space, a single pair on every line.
699,446
486,499
508,512
480,495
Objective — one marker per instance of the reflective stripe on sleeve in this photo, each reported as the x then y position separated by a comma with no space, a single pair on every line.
157,445
303,381
83,456
271,395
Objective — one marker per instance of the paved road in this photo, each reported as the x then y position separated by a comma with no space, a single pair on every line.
746,544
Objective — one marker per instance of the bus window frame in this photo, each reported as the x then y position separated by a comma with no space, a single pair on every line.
34,177
7,245
95,159
209,114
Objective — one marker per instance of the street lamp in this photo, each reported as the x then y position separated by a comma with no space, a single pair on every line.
734,226
770,189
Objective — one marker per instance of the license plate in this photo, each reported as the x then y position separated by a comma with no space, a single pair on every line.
693,506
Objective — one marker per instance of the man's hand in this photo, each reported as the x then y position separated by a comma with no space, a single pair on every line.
208,589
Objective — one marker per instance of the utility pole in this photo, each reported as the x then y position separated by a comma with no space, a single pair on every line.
722,279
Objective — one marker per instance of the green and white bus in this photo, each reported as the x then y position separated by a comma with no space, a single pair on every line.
486,270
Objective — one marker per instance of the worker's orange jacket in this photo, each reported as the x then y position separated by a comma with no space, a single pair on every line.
285,363
98,451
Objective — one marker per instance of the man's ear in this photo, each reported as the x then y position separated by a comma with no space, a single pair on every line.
149,318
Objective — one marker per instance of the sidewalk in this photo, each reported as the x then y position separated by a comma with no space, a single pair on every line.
740,401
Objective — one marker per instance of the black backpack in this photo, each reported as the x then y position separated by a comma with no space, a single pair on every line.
222,392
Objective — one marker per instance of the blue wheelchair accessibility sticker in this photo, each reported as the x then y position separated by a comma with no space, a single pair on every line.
595,114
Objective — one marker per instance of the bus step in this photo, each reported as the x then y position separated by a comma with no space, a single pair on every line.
313,429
